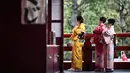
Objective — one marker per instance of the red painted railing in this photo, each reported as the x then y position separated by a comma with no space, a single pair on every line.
88,37
88,48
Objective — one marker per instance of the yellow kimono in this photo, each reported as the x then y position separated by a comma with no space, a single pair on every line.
77,46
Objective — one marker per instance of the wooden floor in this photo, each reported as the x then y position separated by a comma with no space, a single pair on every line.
115,71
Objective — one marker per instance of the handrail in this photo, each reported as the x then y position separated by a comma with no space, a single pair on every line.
88,64
88,36
122,34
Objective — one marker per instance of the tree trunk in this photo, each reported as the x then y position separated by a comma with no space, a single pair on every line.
74,12
121,22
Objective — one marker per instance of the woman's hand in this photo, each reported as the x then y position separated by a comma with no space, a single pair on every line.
81,36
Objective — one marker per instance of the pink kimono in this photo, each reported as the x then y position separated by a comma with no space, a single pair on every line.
99,50
108,34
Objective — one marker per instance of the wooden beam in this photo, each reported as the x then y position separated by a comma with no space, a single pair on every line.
92,48
122,34
90,35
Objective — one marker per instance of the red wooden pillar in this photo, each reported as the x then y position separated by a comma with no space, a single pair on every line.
87,65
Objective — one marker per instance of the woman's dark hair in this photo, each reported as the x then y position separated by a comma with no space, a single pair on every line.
111,21
103,19
80,19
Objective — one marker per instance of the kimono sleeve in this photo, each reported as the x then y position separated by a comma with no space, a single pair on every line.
80,29
107,36
108,33
83,28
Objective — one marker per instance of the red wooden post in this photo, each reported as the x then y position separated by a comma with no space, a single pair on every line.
87,55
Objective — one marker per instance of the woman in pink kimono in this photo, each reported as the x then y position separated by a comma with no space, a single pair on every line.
108,35
99,50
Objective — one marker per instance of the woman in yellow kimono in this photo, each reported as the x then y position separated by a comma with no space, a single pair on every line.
77,38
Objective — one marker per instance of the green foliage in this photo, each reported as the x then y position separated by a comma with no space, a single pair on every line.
67,55
92,10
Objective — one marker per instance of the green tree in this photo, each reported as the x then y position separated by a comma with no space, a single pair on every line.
92,10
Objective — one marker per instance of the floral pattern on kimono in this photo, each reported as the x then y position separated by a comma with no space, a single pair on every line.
109,48
77,46
99,51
